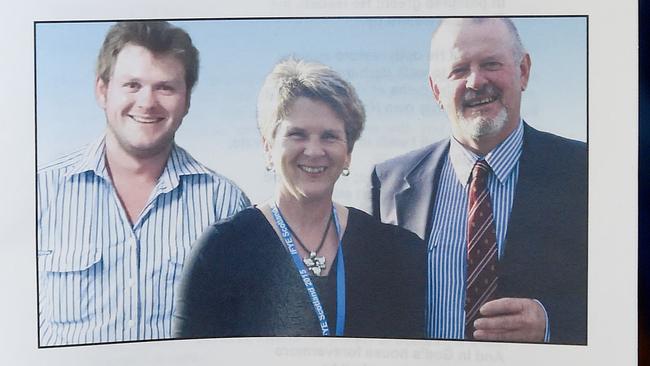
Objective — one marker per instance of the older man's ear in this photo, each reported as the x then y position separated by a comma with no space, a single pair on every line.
436,93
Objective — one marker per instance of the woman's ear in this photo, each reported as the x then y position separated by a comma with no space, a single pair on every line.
268,151
348,160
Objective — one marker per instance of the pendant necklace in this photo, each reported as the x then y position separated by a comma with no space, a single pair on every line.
314,263
289,241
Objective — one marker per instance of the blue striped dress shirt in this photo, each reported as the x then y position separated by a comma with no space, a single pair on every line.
447,243
102,279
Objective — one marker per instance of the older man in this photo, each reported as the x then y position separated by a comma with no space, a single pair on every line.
117,218
502,205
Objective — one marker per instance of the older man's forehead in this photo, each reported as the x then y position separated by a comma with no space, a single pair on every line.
451,39
453,31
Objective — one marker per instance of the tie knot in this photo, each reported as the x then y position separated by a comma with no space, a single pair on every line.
481,169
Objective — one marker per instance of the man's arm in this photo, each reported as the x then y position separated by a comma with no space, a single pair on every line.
228,201
44,336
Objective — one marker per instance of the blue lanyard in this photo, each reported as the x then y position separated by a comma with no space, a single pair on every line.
304,274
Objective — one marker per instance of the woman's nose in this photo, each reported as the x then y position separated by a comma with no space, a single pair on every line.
314,147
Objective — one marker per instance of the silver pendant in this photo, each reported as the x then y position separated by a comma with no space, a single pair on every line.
314,264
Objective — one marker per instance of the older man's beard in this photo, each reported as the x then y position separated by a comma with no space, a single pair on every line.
477,125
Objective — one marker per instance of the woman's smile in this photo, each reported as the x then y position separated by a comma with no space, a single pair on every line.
309,151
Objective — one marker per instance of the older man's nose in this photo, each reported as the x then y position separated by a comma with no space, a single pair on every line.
475,80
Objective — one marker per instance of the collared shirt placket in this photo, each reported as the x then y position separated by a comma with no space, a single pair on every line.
141,275
447,242
135,278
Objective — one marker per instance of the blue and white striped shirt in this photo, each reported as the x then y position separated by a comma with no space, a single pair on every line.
447,244
102,279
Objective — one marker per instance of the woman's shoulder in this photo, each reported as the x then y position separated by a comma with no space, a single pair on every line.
371,227
238,227
242,219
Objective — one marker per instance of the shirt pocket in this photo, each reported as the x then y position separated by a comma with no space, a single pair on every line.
72,283
165,278
174,270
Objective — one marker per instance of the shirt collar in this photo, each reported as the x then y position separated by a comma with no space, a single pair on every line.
179,163
502,159
93,159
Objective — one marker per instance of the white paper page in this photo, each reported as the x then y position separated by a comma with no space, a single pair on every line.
612,137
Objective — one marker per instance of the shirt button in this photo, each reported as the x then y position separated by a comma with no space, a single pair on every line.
131,282
131,323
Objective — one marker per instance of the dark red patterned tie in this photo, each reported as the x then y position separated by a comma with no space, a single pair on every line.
481,277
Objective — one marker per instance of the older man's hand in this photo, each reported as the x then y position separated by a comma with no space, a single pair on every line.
511,319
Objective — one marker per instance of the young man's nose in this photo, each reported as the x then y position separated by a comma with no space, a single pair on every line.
146,98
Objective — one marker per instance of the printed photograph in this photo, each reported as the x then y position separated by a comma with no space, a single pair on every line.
397,178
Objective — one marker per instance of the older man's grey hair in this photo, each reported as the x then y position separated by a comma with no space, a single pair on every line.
518,49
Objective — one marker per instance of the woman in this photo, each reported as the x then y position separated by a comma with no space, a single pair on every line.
302,265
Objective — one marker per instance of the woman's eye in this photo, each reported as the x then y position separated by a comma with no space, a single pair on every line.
295,134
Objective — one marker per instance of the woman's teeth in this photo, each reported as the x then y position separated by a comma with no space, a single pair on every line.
312,170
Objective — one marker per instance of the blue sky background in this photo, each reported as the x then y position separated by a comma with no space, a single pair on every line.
385,59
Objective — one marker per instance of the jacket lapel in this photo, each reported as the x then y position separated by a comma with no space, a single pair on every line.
414,200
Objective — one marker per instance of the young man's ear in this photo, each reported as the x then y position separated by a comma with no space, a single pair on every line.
187,105
100,92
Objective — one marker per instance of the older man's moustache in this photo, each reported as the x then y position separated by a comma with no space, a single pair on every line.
472,97
481,93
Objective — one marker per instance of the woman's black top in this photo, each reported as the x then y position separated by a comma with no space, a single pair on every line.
240,281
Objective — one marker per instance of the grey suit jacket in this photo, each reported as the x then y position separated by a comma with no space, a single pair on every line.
545,255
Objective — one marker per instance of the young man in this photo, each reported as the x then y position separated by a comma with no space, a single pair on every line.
117,218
